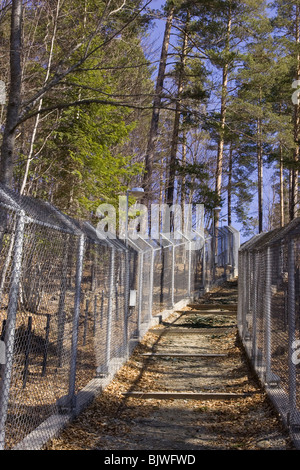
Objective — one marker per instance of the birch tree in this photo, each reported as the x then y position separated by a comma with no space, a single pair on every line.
157,104
107,22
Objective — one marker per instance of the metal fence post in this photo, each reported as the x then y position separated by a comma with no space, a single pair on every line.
151,280
204,266
244,294
102,309
109,313
61,316
11,324
79,269
151,291
291,338
188,246
126,301
224,241
247,290
268,315
140,295
254,313
173,275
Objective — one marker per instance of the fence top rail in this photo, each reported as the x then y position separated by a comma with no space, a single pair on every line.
36,210
97,237
266,239
46,214
152,243
220,232
262,241
288,231
139,245
251,242
231,229
31,220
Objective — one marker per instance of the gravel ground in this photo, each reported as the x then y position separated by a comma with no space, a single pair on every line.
118,422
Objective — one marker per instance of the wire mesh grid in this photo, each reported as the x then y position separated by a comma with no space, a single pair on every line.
197,267
182,260
269,313
65,313
158,280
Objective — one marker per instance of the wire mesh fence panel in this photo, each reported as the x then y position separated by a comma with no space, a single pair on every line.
168,255
144,265
157,281
268,313
118,331
220,261
135,260
209,261
197,271
92,325
221,255
12,235
295,338
181,267
66,313
41,349
9,220
146,287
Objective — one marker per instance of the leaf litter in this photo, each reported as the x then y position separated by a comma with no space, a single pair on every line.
117,422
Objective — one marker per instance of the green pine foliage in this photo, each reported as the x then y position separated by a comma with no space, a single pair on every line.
226,108
81,153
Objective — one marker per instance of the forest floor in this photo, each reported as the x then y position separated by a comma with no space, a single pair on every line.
196,352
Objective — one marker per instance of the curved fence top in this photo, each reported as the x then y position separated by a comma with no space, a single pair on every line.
265,239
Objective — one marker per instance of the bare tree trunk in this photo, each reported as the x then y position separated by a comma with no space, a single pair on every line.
183,180
281,188
176,125
281,182
161,189
229,187
219,168
14,97
191,193
221,140
294,172
37,119
259,177
156,105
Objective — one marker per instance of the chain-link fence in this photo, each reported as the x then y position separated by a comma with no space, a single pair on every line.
269,314
74,305
221,255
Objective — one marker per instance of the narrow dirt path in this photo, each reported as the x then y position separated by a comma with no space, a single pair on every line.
196,353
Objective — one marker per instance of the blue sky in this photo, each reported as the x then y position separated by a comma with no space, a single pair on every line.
157,34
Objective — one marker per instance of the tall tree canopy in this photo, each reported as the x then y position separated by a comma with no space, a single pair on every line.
92,107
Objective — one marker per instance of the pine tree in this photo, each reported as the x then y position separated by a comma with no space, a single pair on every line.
78,100
287,34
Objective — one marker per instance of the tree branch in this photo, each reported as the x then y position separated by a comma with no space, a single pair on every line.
84,102
58,77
